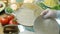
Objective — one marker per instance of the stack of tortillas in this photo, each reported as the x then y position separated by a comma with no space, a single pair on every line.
46,26
27,14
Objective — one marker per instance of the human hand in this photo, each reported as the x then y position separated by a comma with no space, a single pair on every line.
48,13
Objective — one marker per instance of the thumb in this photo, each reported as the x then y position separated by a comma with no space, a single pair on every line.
49,14
44,12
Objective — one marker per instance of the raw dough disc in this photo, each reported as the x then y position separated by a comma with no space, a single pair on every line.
46,26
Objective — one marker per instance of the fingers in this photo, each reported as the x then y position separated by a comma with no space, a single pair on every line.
44,12
47,13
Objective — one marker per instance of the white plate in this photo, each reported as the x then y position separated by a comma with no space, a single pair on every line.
27,13
46,26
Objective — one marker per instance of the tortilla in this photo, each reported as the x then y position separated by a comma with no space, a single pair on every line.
46,26
26,15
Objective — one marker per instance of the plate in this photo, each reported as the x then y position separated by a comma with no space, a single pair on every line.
27,13
46,26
